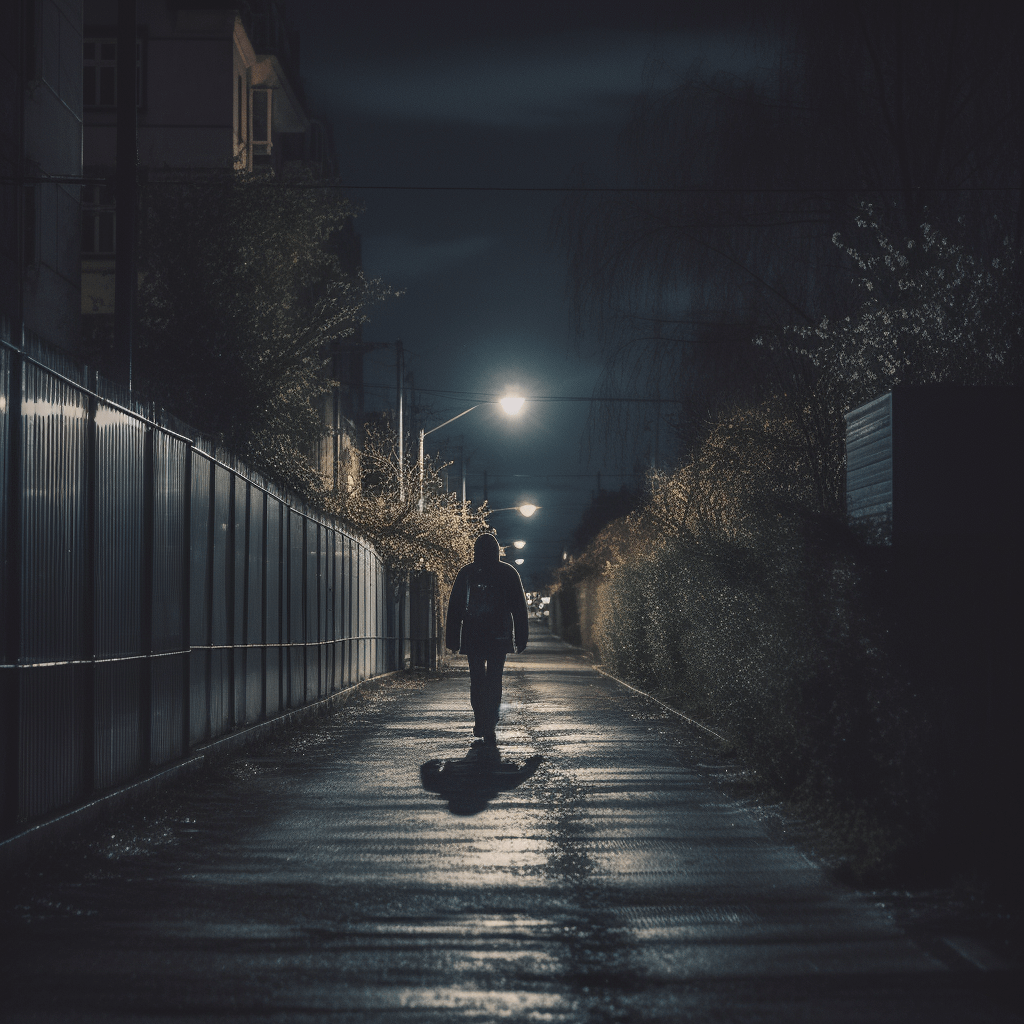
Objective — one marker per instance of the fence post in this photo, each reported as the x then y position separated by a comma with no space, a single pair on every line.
211,532
89,616
316,612
286,605
304,607
282,565
404,623
243,640
229,611
146,594
423,620
435,620
12,583
186,605
265,650
330,618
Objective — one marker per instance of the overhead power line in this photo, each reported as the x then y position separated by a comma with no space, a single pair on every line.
551,476
479,396
696,189
619,189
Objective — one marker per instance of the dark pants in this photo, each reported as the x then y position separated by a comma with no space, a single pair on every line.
485,688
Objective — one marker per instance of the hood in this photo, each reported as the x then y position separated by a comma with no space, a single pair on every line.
486,548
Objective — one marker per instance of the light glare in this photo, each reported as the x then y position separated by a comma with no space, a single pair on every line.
519,544
528,509
512,404
519,561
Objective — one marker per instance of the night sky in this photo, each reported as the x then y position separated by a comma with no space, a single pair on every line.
509,96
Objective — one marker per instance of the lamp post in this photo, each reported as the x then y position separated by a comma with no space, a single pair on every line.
510,403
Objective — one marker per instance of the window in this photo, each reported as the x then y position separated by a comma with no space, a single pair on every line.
97,219
99,73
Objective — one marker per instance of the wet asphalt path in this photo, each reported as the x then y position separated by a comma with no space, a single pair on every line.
318,881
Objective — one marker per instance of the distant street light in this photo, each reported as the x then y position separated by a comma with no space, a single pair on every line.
519,561
519,544
510,403
525,510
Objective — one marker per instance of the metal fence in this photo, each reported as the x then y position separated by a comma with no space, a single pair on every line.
158,594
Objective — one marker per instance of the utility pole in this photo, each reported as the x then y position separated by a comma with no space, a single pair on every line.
400,371
423,435
126,192
462,472
657,433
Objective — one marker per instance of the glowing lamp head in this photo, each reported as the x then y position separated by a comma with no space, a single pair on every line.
519,561
528,509
512,404
520,544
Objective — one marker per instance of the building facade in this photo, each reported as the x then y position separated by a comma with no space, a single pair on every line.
218,93
40,168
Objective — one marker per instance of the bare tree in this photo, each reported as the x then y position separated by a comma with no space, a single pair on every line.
739,183
242,293
385,509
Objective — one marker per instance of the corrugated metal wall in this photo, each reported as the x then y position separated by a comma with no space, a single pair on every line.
158,594
869,467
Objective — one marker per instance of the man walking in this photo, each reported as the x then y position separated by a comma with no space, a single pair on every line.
487,621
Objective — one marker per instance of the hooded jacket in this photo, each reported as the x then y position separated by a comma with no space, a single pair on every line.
503,625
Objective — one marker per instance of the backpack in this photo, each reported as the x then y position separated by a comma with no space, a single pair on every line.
484,606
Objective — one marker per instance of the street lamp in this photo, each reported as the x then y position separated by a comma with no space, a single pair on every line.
519,561
520,544
510,403
524,510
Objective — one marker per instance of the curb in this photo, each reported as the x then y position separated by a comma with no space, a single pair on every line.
17,850
234,741
668,707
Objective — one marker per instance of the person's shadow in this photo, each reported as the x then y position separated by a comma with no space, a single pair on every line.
470,782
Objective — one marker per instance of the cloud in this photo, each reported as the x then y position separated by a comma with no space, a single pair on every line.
399,259
571,78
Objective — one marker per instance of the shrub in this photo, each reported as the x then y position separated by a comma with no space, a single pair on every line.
759,613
